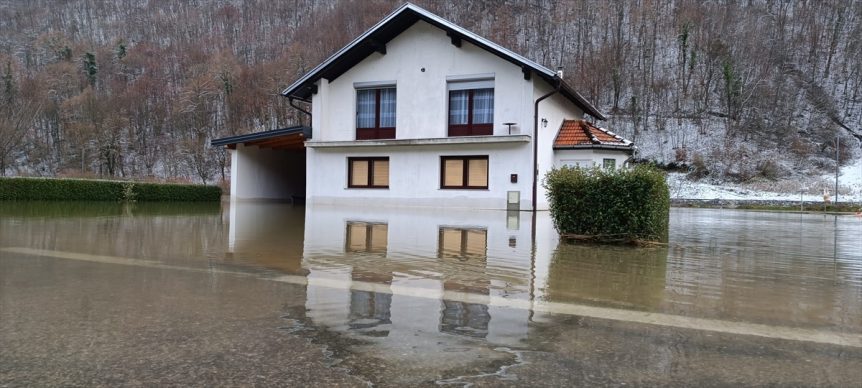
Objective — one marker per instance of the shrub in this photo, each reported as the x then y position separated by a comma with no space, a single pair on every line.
698,168
25,189
624,204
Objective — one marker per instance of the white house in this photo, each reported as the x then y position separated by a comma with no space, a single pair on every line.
418,111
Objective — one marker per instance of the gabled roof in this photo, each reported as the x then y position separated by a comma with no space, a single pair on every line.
583,134
375,39
283,138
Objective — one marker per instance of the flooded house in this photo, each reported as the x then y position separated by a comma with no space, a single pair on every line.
418,111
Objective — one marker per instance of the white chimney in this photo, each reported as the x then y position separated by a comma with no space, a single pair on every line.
560,72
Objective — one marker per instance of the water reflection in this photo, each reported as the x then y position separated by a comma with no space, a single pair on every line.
788,269
797,270
468,252
628,277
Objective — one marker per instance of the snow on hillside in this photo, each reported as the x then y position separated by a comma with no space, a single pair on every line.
850,186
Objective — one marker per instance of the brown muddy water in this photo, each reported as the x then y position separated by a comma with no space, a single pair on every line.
270,294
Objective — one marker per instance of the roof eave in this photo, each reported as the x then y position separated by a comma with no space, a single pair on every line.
580,101
302,87
549,75
629,148
261,135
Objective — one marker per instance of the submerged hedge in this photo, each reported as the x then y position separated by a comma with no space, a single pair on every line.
631,204
26,189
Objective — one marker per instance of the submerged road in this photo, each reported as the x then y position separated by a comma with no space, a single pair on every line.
660,319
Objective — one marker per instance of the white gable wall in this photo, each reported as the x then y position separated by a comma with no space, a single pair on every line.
422,113
422,97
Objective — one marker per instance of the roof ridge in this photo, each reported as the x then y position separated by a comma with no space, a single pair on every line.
585,126
548,75
618,137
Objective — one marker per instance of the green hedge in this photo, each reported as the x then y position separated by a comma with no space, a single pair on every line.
27,189
629,204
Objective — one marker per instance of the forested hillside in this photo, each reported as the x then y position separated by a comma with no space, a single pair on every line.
737,90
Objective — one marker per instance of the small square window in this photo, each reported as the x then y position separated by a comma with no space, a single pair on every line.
464,172
609,164
370,173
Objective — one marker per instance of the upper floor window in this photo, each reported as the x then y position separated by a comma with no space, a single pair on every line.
471,108
375,113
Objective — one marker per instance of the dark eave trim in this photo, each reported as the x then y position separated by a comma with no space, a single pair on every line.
306,131
400,20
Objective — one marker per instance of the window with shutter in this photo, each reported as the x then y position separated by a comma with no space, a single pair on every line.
464,172
371,173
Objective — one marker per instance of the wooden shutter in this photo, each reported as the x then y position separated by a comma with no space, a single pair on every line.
358,173
453,173
381,173
477,173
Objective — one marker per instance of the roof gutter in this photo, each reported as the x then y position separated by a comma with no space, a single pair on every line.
629,148
536,140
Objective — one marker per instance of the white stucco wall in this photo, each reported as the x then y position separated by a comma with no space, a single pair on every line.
555,109
414,176
422,113
595,157
422,97
258,173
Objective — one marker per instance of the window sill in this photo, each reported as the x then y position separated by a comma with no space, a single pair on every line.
493,139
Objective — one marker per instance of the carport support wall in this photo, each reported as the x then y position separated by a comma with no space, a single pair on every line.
261,173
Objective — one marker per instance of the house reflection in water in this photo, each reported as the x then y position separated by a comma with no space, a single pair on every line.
369,311
425,251
465,245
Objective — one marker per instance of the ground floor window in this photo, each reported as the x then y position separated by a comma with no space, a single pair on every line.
609,164
464,172
368,173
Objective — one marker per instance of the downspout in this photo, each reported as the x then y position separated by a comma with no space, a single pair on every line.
536,142
290,100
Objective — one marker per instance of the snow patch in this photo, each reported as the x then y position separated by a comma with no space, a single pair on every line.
850,185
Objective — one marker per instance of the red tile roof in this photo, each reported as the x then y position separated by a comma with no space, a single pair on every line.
583,134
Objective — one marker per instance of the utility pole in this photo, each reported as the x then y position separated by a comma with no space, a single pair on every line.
837,165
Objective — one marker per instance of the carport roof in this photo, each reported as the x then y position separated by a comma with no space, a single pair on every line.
283,138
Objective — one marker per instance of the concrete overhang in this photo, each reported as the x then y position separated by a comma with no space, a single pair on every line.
436,141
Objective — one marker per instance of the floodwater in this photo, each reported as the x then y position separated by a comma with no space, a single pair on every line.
270,294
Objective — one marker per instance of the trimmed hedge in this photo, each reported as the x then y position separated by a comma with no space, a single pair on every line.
631,204
27,189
